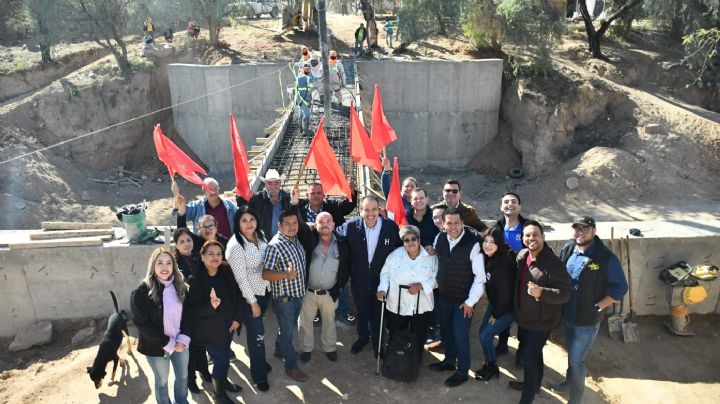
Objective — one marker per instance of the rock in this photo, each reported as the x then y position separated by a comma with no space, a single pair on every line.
20,205
85,196
144,178
83,336
572,183
91,74
653,128
31,335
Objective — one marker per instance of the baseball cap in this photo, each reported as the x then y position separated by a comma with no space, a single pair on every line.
584,221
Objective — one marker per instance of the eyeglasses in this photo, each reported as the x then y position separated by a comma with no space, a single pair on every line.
451,191
409,240
582,230
210,227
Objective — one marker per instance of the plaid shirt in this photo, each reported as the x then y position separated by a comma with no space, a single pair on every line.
280,252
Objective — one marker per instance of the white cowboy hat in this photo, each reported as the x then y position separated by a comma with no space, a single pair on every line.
272,175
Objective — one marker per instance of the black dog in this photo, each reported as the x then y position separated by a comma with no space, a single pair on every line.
108,349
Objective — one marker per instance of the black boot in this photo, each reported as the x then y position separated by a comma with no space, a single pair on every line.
232,387
192,386
502,347
488,371
219,394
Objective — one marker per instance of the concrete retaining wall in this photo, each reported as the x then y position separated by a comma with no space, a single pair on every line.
443,112
204,123
74,282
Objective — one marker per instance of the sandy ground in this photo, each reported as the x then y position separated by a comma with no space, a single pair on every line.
659,369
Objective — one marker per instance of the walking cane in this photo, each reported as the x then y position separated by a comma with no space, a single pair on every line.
382,317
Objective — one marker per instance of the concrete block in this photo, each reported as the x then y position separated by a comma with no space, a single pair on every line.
18,309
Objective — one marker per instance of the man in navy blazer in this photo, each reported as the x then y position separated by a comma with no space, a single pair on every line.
371,239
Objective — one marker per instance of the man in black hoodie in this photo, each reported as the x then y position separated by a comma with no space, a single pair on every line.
542,287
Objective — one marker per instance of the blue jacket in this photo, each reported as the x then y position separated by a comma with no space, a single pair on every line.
363,272
196,209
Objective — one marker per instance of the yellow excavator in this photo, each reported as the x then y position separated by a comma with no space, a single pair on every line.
299,15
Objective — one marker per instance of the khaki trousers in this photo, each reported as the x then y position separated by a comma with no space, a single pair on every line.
328,336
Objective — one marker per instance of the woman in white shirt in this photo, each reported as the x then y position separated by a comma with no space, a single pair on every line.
413,269
245,251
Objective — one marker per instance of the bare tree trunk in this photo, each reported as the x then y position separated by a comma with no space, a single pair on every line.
369,15
213,26
594,35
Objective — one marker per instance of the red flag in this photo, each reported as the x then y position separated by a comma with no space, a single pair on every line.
394,203
240,162
322,158
381,133
361,148
176,160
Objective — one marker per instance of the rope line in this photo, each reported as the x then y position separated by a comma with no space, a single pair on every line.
115,125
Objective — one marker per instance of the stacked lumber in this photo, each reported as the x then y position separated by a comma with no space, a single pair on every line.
66,234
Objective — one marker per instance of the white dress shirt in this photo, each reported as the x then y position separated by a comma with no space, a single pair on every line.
400,269
478,268
372,235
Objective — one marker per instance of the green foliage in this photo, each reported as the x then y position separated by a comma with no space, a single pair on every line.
702,49
533,26
482,25
422,18
15,21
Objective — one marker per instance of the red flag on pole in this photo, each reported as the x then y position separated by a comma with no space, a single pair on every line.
176,160
394,203
361,148
240,162
322,158
381,133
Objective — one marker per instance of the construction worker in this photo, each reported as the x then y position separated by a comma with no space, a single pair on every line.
360,35
149,27
304,54
388,27
337,76
316,69
303,96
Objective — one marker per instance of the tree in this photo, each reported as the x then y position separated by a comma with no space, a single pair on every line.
49,22
212,12
107,22
422,18
593,34
371,26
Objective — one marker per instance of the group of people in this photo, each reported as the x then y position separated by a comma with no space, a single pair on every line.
309,82
298,254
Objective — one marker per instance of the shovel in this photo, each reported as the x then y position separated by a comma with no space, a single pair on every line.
615,320
630,330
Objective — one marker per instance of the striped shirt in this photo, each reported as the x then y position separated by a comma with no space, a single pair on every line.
280,252
247,266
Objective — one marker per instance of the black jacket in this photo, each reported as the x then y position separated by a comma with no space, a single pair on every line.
197,240
364,274
148,318
548,272
455,275
337,208
309,238
210,326
261,204
500,271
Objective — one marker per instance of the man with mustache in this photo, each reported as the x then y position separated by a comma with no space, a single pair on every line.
269,203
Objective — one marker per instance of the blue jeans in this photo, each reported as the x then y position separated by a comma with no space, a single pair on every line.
160,366
489,331
287,314
579,340
255,329
455,329
533,365
343,306
304,116
221,357
358,47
